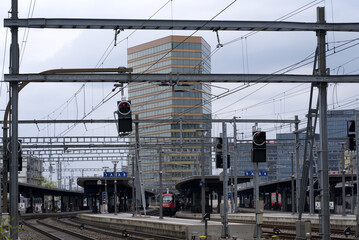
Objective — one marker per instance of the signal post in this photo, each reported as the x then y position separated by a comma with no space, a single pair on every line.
258,155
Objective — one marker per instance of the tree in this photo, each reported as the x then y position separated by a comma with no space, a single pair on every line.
47,182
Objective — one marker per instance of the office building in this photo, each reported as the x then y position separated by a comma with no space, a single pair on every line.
279,150
176,101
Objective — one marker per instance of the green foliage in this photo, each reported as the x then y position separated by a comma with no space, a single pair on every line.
6,227
47,183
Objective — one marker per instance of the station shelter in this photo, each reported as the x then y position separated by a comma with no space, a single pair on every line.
39,199
97,189
190,192
277,195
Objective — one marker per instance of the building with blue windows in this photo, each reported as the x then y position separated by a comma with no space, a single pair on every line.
279,150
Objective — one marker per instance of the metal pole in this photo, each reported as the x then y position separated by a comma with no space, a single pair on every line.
13,163
323,129
292,179
357,173
161,187
203,193
5,170
352,187
206,229
225,229
311,172
137,174
14,69
257,228
343,180
133,186
115,187
106,199
235,163
232,188
297,145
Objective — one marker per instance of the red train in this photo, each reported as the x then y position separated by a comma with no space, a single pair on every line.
276,201
170,204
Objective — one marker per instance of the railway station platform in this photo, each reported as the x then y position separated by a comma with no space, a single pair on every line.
171,227
337,221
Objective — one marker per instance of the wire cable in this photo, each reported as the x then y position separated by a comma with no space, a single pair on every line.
102,59
27,30
3,62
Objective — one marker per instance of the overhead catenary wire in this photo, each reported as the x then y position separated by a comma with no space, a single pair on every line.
284,17
188,37
3,63
303,62
66,131
291,68
27,30
113,44
189,109
102,59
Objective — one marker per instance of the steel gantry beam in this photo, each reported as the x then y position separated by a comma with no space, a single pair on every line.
176,120
80,170
52,152
73,140
145,24
182,78
87,158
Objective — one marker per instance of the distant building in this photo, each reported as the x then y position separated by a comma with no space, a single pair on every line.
278,162
172,54
337,136
32,168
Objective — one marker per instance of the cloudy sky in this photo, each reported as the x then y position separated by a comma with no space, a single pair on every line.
242,52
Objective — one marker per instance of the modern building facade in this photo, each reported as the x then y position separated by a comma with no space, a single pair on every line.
338,140
177,101
279,150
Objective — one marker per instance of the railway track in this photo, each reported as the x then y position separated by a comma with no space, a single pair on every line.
66,226
98,227
75,229
288,231
54,232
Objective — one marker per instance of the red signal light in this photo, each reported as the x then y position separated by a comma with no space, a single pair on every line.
124,107
259,138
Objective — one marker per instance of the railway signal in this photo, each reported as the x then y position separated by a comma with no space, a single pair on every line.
124,113
125,234
219,154
351,135
19,150
259,146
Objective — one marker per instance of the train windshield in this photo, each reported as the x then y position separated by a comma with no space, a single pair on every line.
167,198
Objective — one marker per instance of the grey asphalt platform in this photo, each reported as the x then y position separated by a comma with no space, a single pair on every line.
336,220
174,227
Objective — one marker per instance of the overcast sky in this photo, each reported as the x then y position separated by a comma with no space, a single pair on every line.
263,52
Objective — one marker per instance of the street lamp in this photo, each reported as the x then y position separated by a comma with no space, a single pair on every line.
115,183
105,169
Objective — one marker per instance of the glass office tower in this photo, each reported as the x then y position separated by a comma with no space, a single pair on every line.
172,54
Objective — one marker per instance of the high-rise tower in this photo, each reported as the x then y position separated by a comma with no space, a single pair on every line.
172,54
